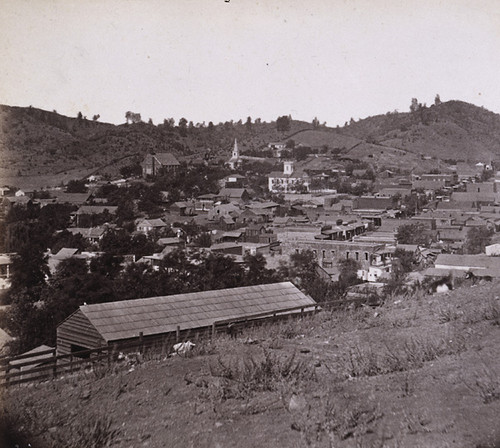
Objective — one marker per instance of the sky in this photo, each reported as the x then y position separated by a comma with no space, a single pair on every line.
221,60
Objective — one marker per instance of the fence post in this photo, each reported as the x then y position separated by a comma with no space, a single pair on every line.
163,344
54,368
177,333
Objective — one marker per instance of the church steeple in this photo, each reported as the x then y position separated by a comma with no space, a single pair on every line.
236,151
235,161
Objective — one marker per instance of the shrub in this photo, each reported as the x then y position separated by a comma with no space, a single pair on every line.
242,377
412,354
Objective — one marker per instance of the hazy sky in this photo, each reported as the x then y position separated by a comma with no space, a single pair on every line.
213,60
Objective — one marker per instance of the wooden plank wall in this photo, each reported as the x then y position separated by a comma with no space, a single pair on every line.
77,330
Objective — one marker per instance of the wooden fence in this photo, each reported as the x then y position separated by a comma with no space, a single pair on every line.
44,365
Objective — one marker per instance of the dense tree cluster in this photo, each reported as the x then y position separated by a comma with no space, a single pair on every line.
283,123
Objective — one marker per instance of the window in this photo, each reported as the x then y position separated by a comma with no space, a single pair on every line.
357,256
366,256
324,253
347,255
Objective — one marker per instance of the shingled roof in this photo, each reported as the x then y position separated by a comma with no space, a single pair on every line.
157,315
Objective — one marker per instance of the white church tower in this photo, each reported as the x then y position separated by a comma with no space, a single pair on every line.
235,161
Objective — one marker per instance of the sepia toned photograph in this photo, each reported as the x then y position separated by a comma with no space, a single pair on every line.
249,224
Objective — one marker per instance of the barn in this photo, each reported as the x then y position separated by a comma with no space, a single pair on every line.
178,316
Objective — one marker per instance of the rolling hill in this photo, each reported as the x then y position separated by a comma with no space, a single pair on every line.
39,147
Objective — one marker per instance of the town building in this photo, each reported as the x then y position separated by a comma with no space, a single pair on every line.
153,163
290,181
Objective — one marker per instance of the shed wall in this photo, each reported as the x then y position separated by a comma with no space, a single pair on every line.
77,330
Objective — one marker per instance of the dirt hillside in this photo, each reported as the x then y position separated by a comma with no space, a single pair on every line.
419,371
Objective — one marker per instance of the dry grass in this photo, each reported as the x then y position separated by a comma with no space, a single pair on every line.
328,424
486,384
243,376
361,361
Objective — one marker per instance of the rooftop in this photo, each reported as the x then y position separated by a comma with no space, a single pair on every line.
156,315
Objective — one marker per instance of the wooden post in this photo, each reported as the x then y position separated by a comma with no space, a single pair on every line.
54,368
177,333
301,312
163,345
141,342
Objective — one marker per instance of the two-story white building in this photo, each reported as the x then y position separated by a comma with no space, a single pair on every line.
289,181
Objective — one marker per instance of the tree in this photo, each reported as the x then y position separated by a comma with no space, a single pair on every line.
348,273
29,269
414,105
169,123
283,123
76,186
301,152
256,272
106,265
477,239
413,234
303,268
406,261
183,127
203,240
68,239
315,123
134,169
437,100
248,124
132,117
80,116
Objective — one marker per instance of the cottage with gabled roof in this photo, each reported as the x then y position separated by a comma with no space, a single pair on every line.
181,315
148,225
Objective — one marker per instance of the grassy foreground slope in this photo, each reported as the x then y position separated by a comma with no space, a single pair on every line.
420,371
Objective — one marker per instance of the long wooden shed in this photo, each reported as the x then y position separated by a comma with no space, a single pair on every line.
97,325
